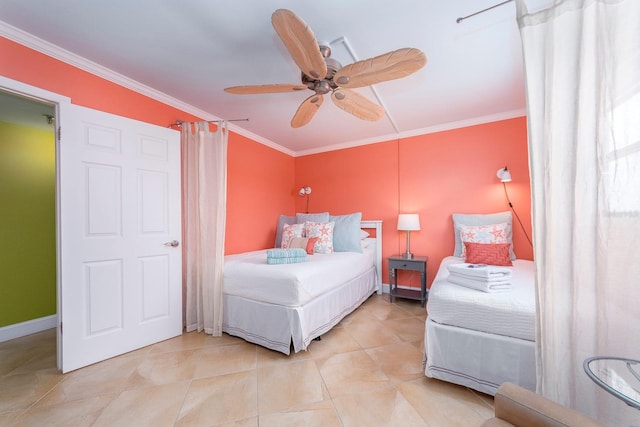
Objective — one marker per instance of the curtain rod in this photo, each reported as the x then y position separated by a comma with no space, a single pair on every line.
180,122
459,20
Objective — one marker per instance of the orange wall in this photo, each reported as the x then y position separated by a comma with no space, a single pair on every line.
259,178
434,175
259,189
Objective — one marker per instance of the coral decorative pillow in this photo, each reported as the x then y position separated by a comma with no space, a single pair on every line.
324,232
289,231
306,243
492,233
488,253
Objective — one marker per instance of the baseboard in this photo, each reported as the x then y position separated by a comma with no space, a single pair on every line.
27,328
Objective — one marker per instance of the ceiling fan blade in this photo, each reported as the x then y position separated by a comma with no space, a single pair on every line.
300,42
306,110
258,89
391,65
356,104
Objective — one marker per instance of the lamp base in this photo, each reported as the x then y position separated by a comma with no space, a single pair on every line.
407,255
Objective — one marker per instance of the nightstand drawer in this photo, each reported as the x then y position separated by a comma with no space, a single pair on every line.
408,264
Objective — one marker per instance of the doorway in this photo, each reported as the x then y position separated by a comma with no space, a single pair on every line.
27,216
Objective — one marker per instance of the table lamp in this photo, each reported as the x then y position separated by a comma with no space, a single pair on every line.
408,223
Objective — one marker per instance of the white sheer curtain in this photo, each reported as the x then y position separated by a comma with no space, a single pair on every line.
204,195
582,62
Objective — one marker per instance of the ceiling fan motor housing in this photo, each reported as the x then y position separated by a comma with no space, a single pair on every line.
327,84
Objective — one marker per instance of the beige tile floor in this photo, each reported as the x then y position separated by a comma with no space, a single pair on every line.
367,371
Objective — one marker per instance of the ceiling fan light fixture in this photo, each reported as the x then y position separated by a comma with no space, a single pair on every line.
321,87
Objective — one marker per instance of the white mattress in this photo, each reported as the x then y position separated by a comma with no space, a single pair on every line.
511,313
249,276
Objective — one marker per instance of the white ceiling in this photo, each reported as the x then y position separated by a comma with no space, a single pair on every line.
191,50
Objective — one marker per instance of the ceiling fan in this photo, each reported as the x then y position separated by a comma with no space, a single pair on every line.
323,74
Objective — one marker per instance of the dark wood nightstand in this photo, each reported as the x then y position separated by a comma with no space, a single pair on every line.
417,263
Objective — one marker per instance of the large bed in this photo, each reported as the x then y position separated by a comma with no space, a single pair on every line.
482,339
284,307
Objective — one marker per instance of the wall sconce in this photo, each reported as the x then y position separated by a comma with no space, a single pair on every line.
505,176
408,223
305,191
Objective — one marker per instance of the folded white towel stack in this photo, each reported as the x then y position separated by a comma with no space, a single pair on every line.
481,271
481,277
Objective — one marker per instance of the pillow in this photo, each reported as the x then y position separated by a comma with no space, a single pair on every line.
476,219
363,234
324,232
282,220
367,243
306,243
494,233
488,253
289,231
301,218
346,232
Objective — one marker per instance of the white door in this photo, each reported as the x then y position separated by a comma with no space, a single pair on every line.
120,226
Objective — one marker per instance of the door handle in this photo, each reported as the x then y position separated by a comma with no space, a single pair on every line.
173,243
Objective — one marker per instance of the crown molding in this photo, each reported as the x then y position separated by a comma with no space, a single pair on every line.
29,40
423,131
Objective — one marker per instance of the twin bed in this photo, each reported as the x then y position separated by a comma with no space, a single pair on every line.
284,307
481,339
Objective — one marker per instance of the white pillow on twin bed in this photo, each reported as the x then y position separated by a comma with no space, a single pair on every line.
481,219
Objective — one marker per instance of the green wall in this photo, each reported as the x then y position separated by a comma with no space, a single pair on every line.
27,224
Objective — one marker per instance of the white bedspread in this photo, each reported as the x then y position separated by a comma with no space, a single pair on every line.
510,313
248,275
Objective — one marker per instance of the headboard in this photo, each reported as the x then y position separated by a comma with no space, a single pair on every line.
376,224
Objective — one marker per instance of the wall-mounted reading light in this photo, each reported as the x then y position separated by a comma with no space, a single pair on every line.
505,176
305,191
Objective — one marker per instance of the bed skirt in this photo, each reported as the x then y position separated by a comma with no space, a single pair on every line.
478,360
276,326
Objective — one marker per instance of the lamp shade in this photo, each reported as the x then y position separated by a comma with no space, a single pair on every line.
408,222
504,174
304,191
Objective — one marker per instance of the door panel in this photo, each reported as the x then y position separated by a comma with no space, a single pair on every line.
119,204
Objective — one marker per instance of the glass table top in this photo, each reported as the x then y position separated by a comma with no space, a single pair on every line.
617,375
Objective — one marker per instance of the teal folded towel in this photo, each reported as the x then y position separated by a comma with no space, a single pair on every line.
289,260
286,253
